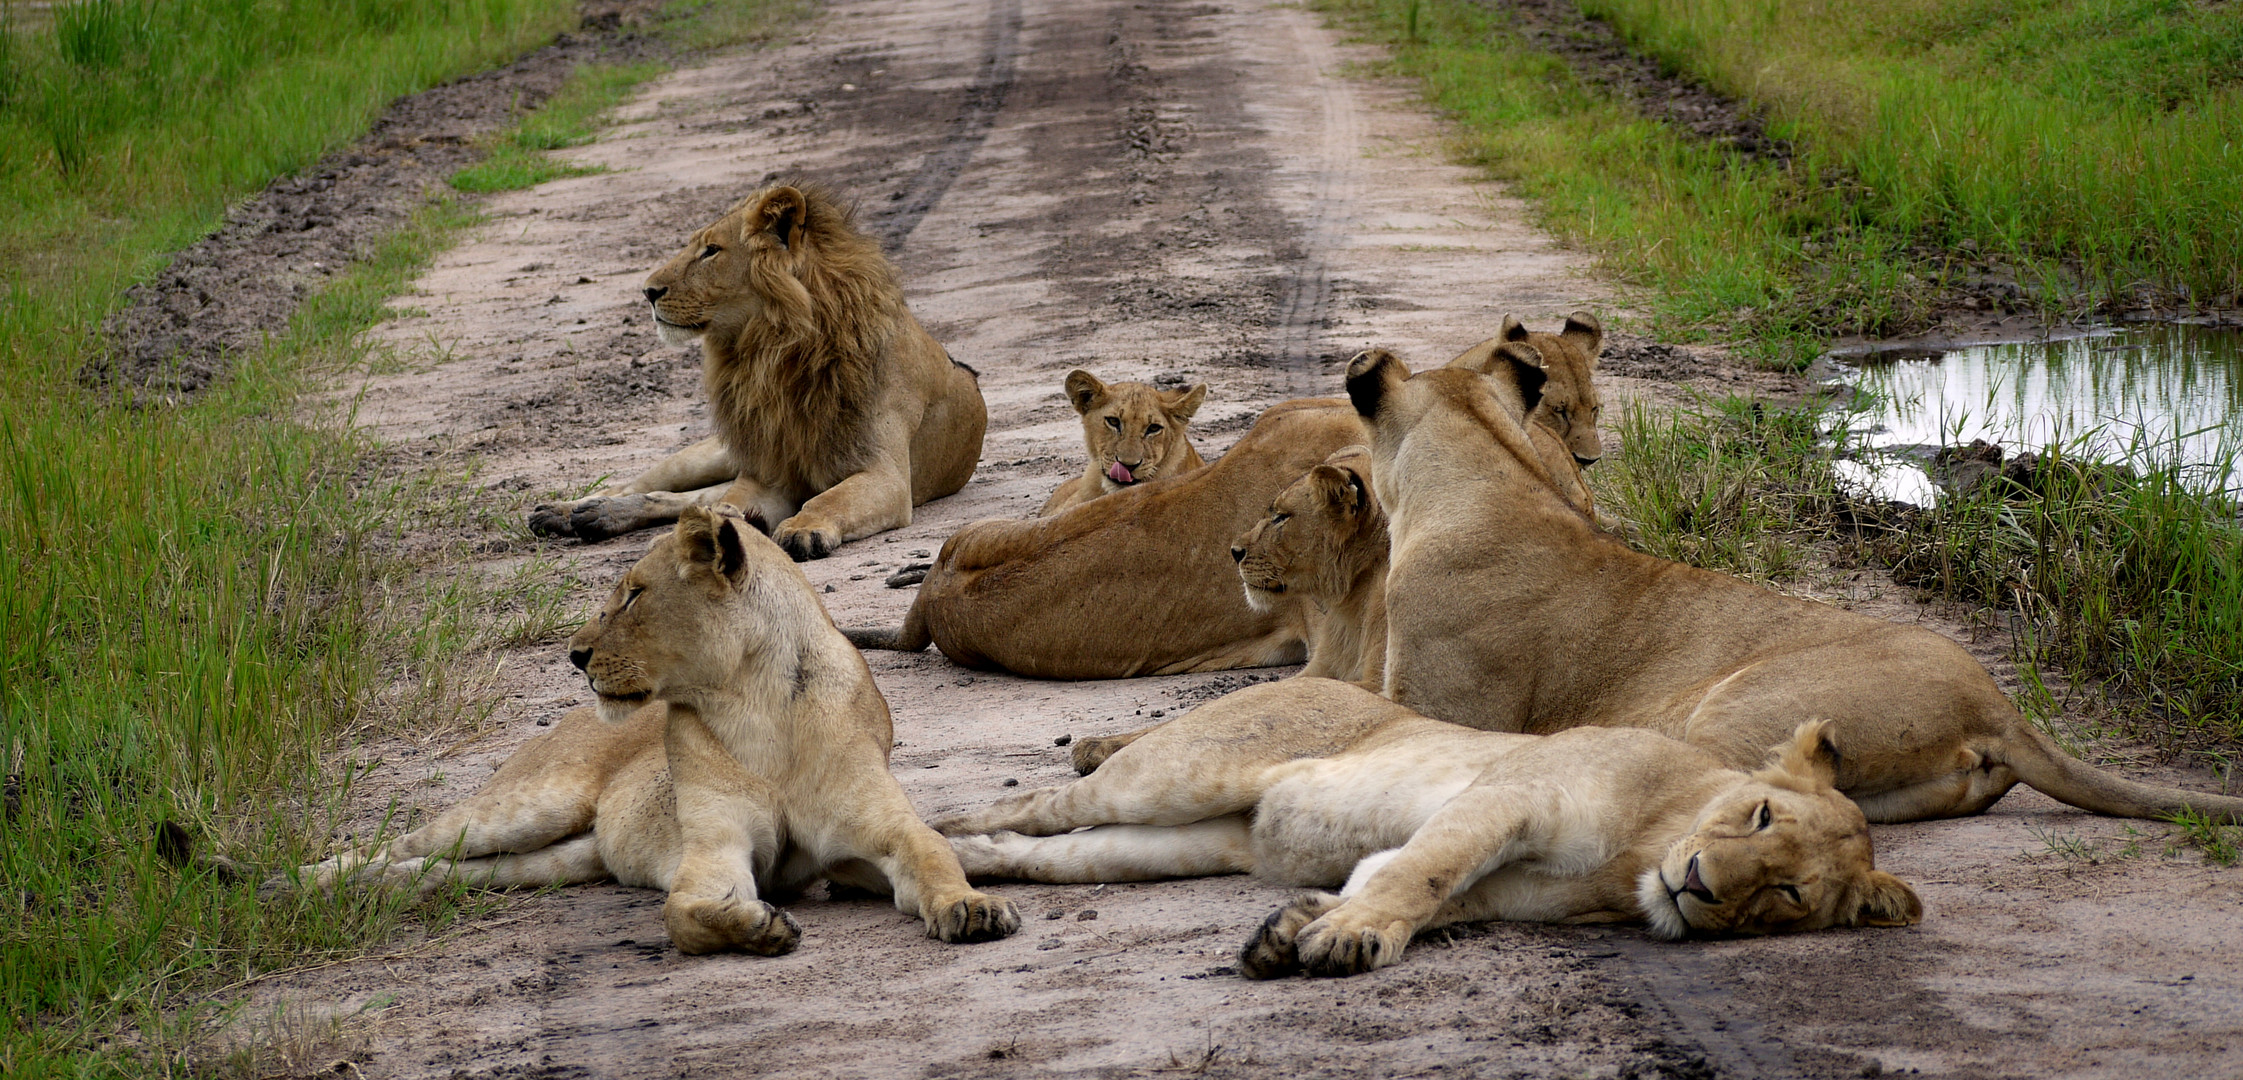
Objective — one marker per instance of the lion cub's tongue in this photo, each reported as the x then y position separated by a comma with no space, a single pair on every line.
1120,474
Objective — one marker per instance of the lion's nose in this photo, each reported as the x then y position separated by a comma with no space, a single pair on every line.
1238,554
580,657
656,292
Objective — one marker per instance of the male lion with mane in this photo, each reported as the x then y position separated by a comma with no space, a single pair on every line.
739,750
1508,611
835,412
1316,782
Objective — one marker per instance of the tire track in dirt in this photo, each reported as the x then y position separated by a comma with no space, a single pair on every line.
1000,50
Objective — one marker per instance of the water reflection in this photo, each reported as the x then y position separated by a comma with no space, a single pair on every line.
2147,396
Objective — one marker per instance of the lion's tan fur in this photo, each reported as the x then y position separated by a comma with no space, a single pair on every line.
1317,782
744,753
1139,582
1507,610
1141,427
835,412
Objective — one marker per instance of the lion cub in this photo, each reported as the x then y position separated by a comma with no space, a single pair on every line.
1134,433
740,749
1316,782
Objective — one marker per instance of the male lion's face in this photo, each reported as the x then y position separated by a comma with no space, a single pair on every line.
1313,527
1780,853
667,630
712,285
1134,432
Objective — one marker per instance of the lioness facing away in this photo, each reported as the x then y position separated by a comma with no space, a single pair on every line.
835,412
1317,782
1507,611
1139,582
739,750
1133,432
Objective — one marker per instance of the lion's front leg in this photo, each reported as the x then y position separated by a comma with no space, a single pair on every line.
727,826
872,501
652,498
920,867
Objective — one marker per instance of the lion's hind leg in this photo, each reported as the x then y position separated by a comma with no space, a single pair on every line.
573,860
1112,853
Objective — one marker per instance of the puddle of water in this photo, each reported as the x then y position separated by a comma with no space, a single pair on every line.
2147,396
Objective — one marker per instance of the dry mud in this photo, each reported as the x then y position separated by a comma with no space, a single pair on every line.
1144,188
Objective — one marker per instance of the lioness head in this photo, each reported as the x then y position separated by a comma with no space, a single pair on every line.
1569,405
749,264
1782,852
1134,432
1314,537
687,616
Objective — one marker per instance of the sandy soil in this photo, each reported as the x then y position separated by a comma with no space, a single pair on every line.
1147,187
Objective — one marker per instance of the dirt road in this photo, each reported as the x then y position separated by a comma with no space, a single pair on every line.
1143,188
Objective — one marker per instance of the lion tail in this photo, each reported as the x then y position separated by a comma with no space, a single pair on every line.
2048,769
912,636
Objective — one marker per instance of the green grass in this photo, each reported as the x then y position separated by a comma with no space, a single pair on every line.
2131,586
518,158
2085,146
200,604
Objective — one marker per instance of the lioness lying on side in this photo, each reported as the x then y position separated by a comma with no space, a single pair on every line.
835,412
1138,582
1134,432
740,750
1508,611
1316,782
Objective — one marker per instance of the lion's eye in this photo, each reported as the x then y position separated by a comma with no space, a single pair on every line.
1152,429
1763,818
1280,519
1114,422
1791,891
632,594
710,251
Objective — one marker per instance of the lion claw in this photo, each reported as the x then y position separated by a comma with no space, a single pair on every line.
976,918
1273,952
803,545
547,519
751,926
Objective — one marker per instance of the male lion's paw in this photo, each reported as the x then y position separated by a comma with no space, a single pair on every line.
552,519
1270,953
699,926
603,517
804,539
1337,946
977,917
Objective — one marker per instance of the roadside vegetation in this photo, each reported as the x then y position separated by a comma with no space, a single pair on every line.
2060,155
200,603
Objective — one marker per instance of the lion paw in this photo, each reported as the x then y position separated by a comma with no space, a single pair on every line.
552,519
1341,947
1088,754
1271,953
977,917
705,926
804,541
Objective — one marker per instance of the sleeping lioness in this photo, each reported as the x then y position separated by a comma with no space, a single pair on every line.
740,750
1508,611
1316,782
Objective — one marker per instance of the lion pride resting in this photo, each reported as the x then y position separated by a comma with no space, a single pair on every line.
739,750
1133,432
835,412
1507,611
1316,782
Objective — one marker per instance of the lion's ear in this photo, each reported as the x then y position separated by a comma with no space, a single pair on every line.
1373,374
1520,364
1887,901
1340,489
707,538
1186,404
1812,753
1513,329
1084,391
784,214
1583,330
